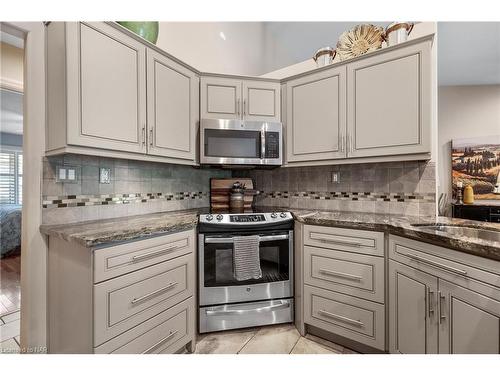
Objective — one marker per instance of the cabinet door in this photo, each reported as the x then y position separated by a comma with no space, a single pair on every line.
220,98
315,116
412,310
261,101
389,103
469,321
172,108
106,80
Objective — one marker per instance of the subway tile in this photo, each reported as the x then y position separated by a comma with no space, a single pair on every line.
72,159
107,188
51,187
90,172
90,160
121,173
71,188
89,187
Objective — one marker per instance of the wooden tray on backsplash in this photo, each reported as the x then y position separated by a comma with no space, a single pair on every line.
220,190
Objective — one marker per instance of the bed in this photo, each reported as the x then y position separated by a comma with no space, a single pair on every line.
10,229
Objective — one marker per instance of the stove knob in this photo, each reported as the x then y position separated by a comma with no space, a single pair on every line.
219,217
274,215
209,217
283,215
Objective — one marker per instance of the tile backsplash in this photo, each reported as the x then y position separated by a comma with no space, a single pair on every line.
403,188
136,187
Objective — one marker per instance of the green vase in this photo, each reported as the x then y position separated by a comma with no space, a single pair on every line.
147,30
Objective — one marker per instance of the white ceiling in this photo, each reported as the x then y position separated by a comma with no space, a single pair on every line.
11,112
468,53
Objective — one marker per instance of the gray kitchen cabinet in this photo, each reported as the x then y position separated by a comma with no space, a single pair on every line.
133,297
412,310
441,300
376,107
100,101
111,94
340,289
389,102
316,116
172,103
235,99
469,321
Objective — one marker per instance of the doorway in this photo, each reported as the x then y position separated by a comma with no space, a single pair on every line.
11,183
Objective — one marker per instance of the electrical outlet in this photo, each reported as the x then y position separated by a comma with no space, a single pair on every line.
335,178
67,174
105,175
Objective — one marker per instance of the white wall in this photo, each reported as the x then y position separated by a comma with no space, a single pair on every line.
200,45
463,112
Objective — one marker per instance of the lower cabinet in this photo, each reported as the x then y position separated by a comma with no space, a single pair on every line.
412,310
353,318
435,306
342,272
469,321
137,297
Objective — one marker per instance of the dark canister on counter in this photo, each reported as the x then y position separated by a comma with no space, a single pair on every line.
237,197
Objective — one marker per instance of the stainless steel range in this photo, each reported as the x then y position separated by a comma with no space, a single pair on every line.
226,303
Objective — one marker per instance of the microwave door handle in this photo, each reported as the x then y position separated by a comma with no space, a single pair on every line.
262,144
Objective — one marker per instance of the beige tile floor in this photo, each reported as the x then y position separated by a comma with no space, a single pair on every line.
9,333
278,339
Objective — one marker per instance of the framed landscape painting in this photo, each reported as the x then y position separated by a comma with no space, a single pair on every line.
476,161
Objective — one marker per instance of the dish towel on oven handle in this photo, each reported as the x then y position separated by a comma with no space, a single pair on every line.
246,259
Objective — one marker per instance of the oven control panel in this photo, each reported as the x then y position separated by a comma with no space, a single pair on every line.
246,219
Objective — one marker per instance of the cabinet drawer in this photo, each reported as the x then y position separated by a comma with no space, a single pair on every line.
118,260
453,265
166,332
350,317
357,241
126,301
353,274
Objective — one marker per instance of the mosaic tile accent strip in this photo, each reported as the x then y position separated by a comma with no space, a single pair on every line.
354,196
110,199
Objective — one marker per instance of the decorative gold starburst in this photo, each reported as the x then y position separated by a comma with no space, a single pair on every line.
359,40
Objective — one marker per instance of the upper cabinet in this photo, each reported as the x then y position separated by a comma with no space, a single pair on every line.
316,116
389,103
376,106
100,102
234,99
172,100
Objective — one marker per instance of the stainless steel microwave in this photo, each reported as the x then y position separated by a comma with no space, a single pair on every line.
237,142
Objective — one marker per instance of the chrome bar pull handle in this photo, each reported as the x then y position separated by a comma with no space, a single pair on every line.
435,264
244,107
340,274
430,299
144,135
145,297
341,318
140,257
442,299
151,136
238,109
162,341
262,144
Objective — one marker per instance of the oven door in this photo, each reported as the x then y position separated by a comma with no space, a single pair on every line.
240,142
217,282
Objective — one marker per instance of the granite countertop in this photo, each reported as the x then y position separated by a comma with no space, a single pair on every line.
410,227
110,231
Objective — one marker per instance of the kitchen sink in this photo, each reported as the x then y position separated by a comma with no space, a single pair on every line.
463,231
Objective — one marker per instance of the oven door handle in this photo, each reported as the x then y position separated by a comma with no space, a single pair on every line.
282,305
276,237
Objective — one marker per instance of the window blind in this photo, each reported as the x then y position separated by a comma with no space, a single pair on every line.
10,177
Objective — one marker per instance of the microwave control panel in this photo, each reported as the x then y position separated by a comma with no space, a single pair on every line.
272,145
